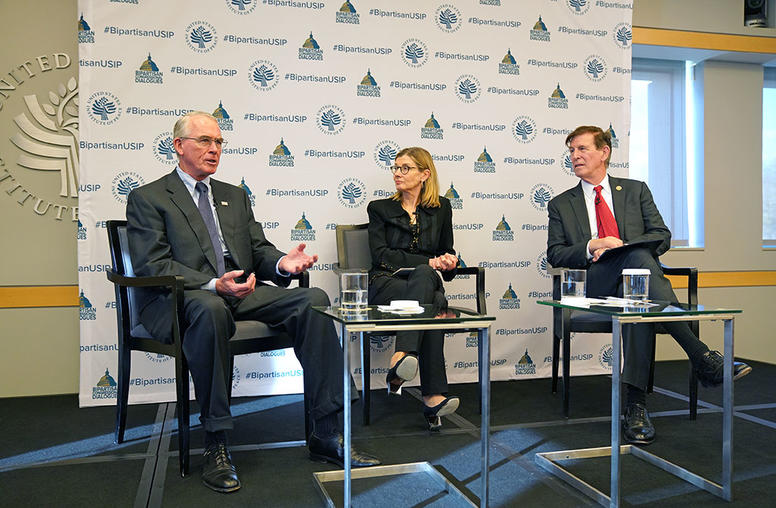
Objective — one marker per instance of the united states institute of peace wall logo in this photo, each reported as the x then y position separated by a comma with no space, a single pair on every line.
157,358
235,377
241,7
263,75
542,264
579,7
103,108
225,122
414,52
347,14
149,72
557,99
85,32
448,18
595,68
525,366
86,311
281,156
431,129
565,164
124,183
484,163
539,31
503,232
105,388
330,119
524,129
251,195
201,36
310,49
606,356
508,64
303,231
351,192
164,150
467,88
385,153
368,86
456,203
381,343
509,301
540,195
622,35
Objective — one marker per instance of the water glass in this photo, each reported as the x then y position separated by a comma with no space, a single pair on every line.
635,283
353,291
572,283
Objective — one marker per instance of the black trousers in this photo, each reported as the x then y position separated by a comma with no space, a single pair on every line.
209,320
425,286
604,278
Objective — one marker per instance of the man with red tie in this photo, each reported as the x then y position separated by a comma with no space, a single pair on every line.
601,213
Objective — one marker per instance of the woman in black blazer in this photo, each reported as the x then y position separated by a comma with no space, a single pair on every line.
414,229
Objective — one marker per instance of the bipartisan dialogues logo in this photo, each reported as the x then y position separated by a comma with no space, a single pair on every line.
539,32
310,49
105,388
281,156
163,149
241,7
81,234
431,129
351,192
248,191
124,183
368,86
103,108
524,129
558,99
615,140
525,365
330,119
484,163
347,14
540,195
385,153
263,75
503,232
149,72
448,18
225,122
86,311
201,36
456,203
85,32
509,65
509,301
303,231
414,52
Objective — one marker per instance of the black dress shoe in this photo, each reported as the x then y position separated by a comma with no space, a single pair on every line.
218,472
711,368
405,370
434,414
638,428
332,449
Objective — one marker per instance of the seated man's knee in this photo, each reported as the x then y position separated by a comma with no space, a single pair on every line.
641,258
317,297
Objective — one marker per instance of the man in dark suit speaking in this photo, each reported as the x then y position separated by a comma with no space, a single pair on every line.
601,213
188,224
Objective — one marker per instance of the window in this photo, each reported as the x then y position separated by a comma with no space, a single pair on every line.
659,140
769,157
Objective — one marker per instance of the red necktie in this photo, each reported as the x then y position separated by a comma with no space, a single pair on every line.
607,226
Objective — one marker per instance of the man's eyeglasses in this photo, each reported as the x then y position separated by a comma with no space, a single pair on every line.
205,141
404,169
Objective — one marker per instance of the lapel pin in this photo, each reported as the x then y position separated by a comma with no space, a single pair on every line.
226,203
619,187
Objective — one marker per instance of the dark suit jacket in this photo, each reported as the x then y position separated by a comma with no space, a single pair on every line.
390,235
167,235
638,219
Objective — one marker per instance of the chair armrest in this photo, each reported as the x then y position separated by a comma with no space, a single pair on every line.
692,280
174,282
303,278
554,270
479,274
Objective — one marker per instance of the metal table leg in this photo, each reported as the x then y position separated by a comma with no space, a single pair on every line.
347,415
484,362
727,414
614,495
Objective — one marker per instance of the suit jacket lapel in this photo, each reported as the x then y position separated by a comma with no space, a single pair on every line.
182,199
618,202
577,202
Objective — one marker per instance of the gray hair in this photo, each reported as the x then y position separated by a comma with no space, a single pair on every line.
181,128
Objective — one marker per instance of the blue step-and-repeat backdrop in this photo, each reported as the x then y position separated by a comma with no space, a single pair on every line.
315,98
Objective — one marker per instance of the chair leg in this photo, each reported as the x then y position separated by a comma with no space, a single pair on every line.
693,394
182,411
555,360
122,393
231,378
651,382
306,410
366,377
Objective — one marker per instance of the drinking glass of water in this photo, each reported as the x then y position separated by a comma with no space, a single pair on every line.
353,290
573,284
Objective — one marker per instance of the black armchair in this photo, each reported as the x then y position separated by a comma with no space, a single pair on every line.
565,323
353,253
250,336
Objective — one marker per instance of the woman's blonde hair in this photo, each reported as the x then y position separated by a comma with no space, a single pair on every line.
429,193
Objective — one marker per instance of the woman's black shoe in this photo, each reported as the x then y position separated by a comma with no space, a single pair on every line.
405,369
434,414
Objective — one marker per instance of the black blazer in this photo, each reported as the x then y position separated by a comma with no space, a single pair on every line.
390,236
637,217
167,235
